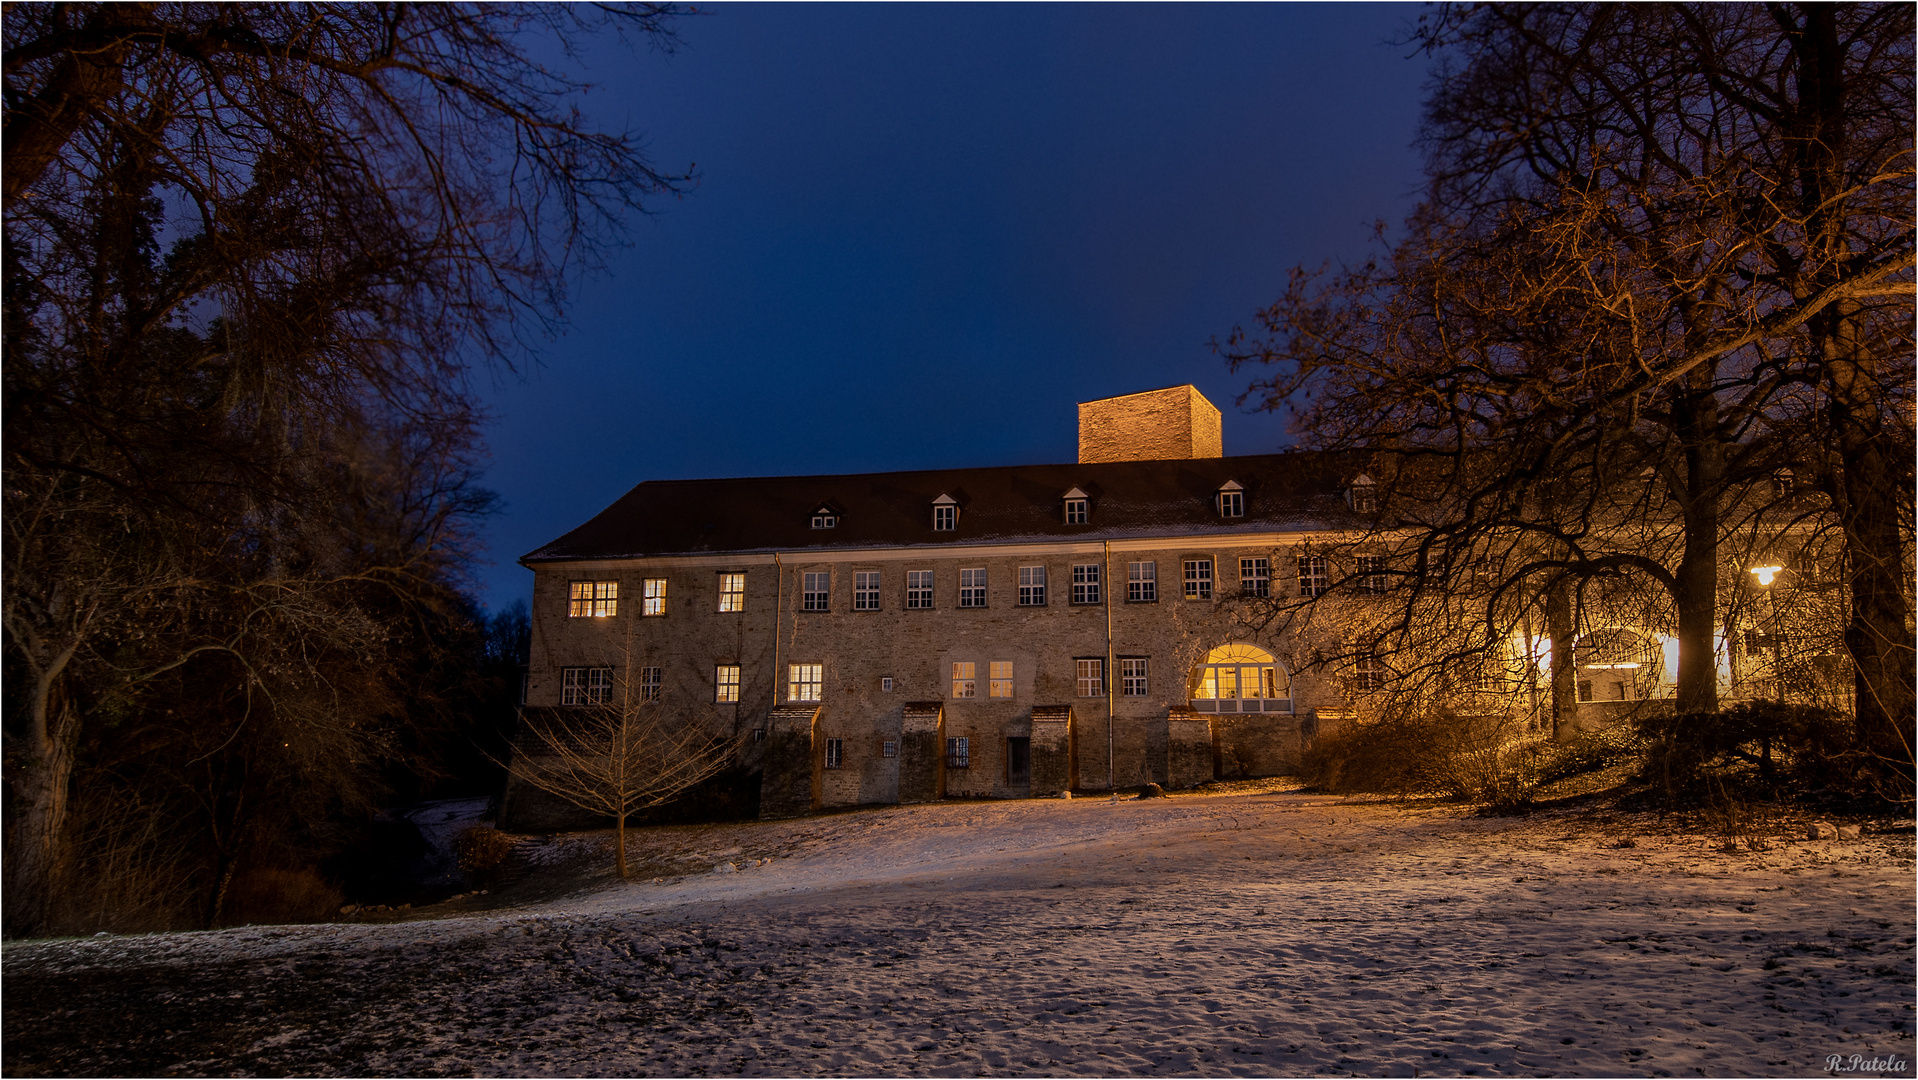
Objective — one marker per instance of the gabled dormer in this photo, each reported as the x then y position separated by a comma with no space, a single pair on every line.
1230,500
1078,507
1362,495
825,516
945,513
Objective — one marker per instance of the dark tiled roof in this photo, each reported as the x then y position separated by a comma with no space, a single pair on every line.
1283,492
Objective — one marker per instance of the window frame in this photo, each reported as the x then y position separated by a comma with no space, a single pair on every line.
1087,590
973,595
865,590
958,752
652,682
1231,503
797,683
1032,586
1369,570
1135,677
835,753
1196,578
965,680
811,598
919,596
600,599
732,600
1142,581
590,685
1096,680
1314,575
721,684
1255,576
1078,511
945,515
652,597
999,679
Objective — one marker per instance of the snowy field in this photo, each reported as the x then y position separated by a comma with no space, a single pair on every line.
1240,934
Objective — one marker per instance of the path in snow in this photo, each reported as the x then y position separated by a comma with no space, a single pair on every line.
1248,934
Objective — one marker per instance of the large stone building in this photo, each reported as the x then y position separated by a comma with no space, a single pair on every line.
997,632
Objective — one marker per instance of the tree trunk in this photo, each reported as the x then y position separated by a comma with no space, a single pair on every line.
619,848
1563,628
36,852
1696,586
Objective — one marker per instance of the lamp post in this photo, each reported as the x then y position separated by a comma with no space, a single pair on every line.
1764,576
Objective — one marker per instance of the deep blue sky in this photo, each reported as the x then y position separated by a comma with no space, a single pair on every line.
922,234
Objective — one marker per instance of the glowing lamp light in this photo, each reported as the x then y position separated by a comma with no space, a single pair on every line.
1765,574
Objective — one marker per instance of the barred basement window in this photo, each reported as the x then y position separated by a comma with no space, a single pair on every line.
817,591
726,683
650,679
1312,578
652,596
1255,577
1032,586
889,748
1132,676
965,681
835,753
732,592
885,684
972,588
1000,685
593,599
919,589
805,682
1085,583
759,734
959,753
865,590
1091,677
585,685
1142,583
1198,579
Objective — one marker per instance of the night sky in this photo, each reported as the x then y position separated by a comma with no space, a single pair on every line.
922,234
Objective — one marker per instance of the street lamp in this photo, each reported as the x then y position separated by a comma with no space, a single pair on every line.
1766,574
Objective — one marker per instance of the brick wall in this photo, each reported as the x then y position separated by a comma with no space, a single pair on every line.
1159,425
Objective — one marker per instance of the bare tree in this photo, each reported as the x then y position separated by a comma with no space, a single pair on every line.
250,252
619,754
1666,253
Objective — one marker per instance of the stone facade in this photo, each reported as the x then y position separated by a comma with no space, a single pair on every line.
1158,425
866,651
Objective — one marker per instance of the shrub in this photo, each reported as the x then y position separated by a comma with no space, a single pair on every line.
481,849
1784,745
1472,758
280,895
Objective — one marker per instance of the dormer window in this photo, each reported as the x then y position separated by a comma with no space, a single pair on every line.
1231,500
1782,483
945,514
825,518
1363,495
1078,507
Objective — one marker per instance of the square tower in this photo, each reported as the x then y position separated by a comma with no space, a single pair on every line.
1157,425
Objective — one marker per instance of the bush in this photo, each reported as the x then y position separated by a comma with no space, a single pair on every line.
1466,757
481,850
1590,752
280,895
1779,746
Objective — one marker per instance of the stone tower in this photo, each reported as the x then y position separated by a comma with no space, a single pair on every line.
1157,425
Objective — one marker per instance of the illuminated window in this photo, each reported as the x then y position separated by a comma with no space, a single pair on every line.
1132,676
585,685
1371,570
1091,677
817,591
732,592
865,590
945,514
652,596
726,683
1198,579
1000,685
805,682
972,588
1240,678
593,599
1255,577
650,679
835,753
1231,500
1085,583
1142,582
965,681
919,589
959,753
1312,579
1032,586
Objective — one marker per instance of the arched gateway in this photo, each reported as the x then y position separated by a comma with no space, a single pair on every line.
1240,678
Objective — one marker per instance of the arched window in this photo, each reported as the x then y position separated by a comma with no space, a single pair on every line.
1240,678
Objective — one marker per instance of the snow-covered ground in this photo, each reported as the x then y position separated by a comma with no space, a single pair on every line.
1251,933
